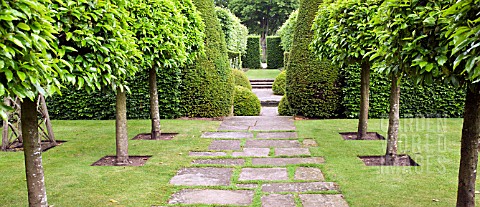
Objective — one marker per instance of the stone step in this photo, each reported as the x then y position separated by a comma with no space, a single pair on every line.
261,86
262,80
271,103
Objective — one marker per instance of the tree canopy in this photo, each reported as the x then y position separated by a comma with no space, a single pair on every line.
286,31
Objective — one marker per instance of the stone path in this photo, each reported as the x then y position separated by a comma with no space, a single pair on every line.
256,161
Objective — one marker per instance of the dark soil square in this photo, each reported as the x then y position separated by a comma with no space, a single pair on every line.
402,160
111,161
46,145
353,136
148,136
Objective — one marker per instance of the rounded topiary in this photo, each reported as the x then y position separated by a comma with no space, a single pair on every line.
280,83
284,107
246,103
312,85
240,79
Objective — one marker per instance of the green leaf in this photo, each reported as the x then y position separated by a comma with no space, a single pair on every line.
9,75
23,26
17,42
429,21
441,60
21,75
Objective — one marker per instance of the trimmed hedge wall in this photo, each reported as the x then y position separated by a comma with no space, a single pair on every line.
279,84
246,103
312,85
274,52
286,58
78,104
252,57
207,85
415,100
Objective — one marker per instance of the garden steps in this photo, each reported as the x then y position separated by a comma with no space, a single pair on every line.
261,83
241,164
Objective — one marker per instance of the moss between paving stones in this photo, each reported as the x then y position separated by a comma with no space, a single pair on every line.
207,85
312,88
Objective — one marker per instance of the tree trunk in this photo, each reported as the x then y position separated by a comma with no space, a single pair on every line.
364,100
393,122
37,195
154,113
121,128
5,141
467,173
48,124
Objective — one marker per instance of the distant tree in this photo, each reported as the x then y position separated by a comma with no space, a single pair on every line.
221,3
263,17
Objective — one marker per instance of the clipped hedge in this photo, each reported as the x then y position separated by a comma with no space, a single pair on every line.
279,84
100,105
207,85
415,100
252,57
286,58
274,52
246,103
287,30
241,79
312,85
235,59
284,107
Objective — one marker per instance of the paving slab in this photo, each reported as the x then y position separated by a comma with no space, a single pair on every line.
236,124
266,95
291,151
309,173
207,154
263,174
323,200
252,152
287,161
278,200
207,176
225,145
276,135
227,135
269,111
309,143
299,187
272,143
248,186
213,197
229,162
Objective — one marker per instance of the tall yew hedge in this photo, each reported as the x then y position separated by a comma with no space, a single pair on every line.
274,52
312,85
207,85
252,57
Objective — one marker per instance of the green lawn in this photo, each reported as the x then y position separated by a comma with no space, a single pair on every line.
433,143
262,73
71,181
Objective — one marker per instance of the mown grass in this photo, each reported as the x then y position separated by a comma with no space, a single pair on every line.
262,73
71,181
432,143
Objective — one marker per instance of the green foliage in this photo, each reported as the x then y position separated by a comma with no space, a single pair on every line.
287,30
246,103
26,64
235,60
207,85
343,31
78,104
256,14
280,83
284,107
240,79
274,53
95,43
235,33
286,59
432,100
312,85
252,57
